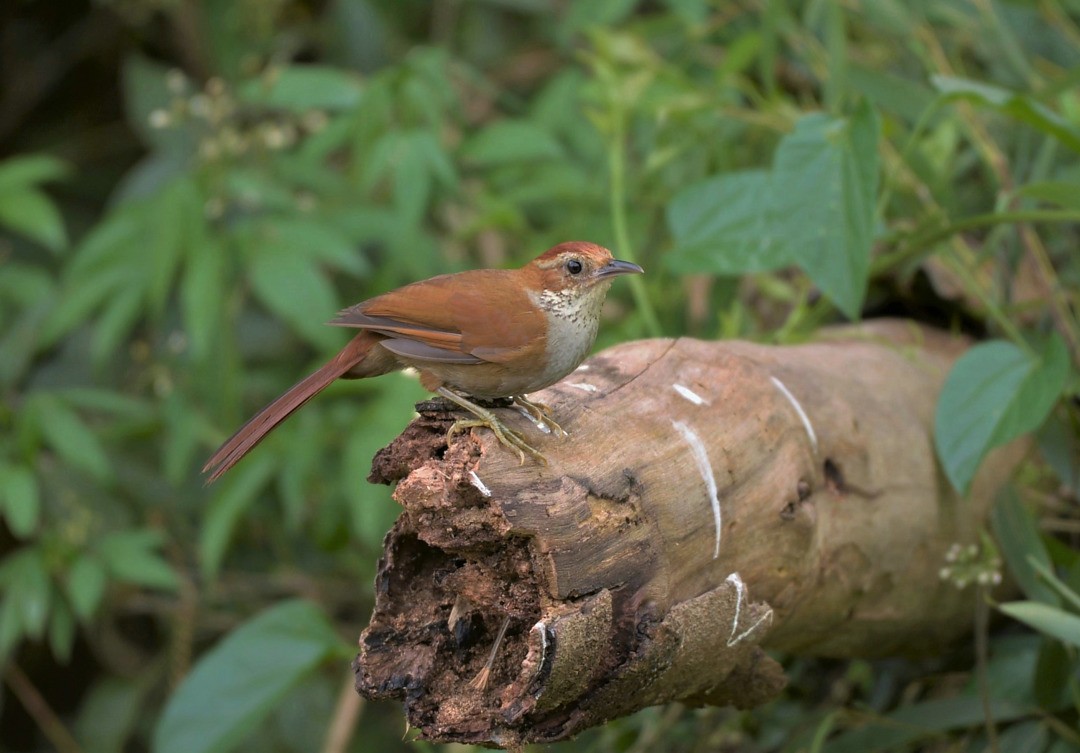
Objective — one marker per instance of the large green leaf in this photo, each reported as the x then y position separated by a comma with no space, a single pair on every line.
722,225
824,187
240,681
994,393
815,209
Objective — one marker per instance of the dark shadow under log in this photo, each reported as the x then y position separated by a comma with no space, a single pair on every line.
713,498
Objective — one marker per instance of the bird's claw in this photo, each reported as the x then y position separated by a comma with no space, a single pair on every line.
543,414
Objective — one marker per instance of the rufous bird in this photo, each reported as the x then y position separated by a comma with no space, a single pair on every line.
485,333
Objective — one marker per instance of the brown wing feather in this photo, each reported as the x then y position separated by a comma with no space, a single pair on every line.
484,313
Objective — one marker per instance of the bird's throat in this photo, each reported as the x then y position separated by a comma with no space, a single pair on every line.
573,316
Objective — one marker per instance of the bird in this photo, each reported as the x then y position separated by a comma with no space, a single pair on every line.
478,334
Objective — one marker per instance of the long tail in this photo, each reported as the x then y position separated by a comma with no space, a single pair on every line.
263,422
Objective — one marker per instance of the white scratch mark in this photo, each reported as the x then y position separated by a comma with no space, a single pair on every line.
582,367
740,596
543,641
583,386
480,485
690,395
701,457
798,409
541,425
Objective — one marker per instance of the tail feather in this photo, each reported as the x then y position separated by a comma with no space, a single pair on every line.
263,422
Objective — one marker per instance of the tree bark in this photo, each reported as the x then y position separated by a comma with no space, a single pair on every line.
713,499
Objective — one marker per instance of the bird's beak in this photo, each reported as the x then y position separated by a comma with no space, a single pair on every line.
615,267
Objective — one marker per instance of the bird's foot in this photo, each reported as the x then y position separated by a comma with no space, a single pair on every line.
507,436
542,414
485,418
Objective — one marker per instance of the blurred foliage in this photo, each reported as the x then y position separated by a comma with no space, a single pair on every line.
170,248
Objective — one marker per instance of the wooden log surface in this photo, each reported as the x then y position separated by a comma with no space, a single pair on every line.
713,499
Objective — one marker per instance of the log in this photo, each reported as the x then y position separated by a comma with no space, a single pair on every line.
713,500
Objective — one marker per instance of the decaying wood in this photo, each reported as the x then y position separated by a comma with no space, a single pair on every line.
712,499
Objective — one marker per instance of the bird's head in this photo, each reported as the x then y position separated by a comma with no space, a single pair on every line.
571,280
578,266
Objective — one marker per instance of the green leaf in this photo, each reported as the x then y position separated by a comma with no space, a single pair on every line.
412,180
70,438
109,401
202,295
1065,194
1054,669
919,721
1048,620
85,585
115,323
511,141
182,438
315,239
240,490
174,219
29,170
61,631
722,226
824,185
994,393
33,214
306,87
132,557
1021,545
27,591
371,510
108,714
290,285
20,500
239,682
1014,104
814,209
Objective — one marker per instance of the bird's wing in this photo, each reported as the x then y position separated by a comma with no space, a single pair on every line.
468,317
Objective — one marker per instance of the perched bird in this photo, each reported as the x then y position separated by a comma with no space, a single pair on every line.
485,333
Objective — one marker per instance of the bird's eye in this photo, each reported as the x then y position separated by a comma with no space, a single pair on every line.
574,267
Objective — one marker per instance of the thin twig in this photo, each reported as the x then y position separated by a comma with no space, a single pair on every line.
343,722
40,710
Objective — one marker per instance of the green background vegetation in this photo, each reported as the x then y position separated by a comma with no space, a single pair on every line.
190,188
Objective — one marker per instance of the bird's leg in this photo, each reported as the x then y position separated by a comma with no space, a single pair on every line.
486,418
542,413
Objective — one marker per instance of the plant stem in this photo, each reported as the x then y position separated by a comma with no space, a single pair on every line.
982,629
922,244
617,167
